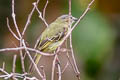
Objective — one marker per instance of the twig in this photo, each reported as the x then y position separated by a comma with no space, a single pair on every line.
43,71
2,70
59,69
14,62
32,60
53,67
14,19
11,30
29,17
44,10
30,49
3,66
73,57
11,49
69,8
65,67
39,52
82,16
22,58
71,63
59,72
15,76
68,57
40,14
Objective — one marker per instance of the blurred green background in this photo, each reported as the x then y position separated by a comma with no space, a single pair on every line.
96,40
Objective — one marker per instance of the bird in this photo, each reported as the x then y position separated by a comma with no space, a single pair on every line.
53,35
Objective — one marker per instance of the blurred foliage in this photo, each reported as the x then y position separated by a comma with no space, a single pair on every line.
93,40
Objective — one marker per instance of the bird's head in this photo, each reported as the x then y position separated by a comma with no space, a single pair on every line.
65,19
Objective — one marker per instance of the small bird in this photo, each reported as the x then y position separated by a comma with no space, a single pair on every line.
53,35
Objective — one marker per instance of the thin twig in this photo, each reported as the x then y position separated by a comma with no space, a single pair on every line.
53,67
40,15
82,16
59,69
30,49
32,60
11,49
73,57
3,66
44,10
65,67
69,7
43,71
59,72
15,76
39,52
14,63
11,30
14,19
2,70
22,58
68,57
29,17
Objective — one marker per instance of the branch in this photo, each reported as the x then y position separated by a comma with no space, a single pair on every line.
3,66
29,17
11,30
53,68
40,14
14,62
14,19
44,10
32,60
11,49
65,67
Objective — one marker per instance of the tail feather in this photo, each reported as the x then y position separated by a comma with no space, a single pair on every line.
36,60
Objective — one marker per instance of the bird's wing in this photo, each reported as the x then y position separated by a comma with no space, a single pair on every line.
49,40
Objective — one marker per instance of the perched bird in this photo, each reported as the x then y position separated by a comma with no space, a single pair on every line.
53,35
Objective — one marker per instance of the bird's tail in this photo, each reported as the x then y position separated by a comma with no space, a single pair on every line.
36,60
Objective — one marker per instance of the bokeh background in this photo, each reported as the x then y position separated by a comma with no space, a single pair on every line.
96,40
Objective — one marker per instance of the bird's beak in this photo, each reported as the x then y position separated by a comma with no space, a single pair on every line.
75,19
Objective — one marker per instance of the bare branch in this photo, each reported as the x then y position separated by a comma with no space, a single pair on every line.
15,76
43,71
41,53
69,7
11,30
65,67
11,49
30,49
40,14
14,19
22,58
3,66
73,57
59,69
14,62
71,63
2,70
29,17
53,67
32,60
82,16
44,10
59,72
